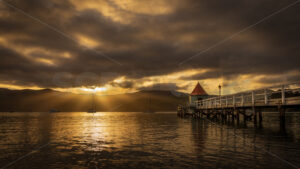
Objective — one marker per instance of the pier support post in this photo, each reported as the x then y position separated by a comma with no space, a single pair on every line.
221,114
260,116
243,112
238,116
281,110
228,115
208,114
254,115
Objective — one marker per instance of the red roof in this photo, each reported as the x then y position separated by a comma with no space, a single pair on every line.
198,90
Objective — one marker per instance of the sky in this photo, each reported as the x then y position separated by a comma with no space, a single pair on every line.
120,46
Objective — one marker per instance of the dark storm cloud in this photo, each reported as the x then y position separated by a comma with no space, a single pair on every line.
162,86
149,44
15,69
279,79
126,84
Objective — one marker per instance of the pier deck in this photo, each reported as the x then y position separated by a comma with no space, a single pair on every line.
250,104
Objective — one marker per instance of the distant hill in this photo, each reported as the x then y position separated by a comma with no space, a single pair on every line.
44,100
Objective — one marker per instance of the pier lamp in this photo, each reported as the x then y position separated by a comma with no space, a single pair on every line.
220,87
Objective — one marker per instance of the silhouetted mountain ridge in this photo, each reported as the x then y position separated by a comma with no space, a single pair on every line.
46,99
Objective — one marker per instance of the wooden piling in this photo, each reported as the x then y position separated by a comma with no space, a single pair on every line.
245,117
238,116
260,116
281,110
254,115
208,114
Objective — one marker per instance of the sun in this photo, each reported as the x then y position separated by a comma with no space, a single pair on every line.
97,89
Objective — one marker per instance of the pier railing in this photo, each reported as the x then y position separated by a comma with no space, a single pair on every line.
286,94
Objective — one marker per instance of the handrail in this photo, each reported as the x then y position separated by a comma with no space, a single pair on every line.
249,97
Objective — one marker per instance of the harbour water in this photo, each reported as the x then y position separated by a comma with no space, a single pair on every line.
145,140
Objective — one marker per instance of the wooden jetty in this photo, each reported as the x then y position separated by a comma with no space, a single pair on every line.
249,104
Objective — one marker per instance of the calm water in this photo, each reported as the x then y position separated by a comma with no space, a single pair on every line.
140,140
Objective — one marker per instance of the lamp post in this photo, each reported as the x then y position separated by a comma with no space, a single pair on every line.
220,87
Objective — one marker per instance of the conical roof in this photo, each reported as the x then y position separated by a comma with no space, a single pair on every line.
198,90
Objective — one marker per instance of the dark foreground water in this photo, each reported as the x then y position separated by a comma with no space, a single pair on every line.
141,140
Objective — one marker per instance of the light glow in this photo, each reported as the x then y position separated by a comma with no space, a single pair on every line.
97,89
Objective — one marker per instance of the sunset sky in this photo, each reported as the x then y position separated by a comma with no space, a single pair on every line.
119,46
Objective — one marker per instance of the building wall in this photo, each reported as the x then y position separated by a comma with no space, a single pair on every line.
194,98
